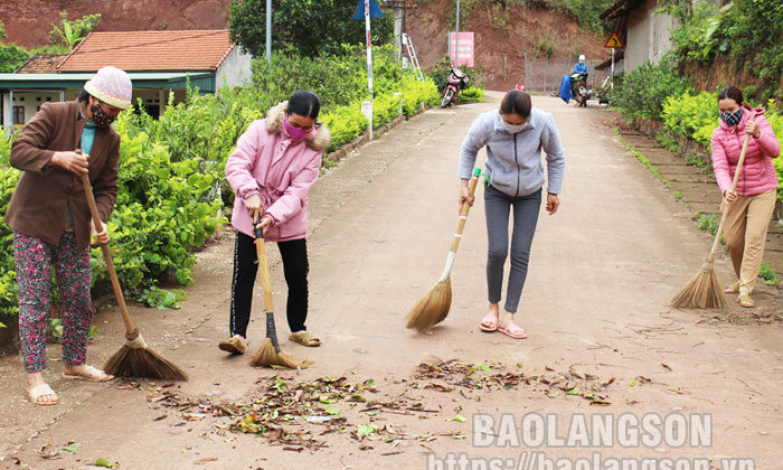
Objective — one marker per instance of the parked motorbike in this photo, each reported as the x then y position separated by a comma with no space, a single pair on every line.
455,83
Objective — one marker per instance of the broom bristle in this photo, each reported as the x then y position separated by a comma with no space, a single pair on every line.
432,308
267,356
142,362
702,291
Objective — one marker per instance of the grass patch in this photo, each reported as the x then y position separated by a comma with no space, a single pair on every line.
709,222
768,274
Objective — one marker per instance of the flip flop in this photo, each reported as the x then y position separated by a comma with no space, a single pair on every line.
41,390
305,339
492,320
513,330
90,374
233,345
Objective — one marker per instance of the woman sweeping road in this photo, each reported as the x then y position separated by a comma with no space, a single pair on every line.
274,166
514,137
750,207
51,219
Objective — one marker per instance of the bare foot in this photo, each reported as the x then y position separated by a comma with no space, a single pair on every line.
86,372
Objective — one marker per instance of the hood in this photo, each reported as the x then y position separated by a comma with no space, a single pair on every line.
274,124
747,115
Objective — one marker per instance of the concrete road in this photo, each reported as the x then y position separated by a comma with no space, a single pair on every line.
601,274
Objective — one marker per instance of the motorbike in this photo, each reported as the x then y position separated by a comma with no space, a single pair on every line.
579,88
455,83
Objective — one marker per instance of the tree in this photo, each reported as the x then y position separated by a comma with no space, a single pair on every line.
309,27
11,55
68,32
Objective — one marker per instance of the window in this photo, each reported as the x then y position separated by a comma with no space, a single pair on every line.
18,114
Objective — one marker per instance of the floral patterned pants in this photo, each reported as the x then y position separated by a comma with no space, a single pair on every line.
74,277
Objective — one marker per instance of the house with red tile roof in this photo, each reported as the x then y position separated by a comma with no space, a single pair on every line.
159,63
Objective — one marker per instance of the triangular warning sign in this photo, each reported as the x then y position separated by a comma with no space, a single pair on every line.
614,41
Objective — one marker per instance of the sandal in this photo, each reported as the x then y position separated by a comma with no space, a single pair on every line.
745,301
492,320
305,339
512,330
91,374
36,393
233,345
733,289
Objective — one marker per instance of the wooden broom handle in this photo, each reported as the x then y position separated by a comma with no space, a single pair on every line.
463,215
115,283
725,211
266,278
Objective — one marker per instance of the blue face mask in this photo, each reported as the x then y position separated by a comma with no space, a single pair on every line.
732,119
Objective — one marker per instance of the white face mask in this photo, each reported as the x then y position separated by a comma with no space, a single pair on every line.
513,128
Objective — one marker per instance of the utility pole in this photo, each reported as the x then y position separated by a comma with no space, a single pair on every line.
456,45
399,16
369,57
269,31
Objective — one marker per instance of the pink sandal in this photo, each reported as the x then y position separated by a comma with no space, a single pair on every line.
513,330
490,320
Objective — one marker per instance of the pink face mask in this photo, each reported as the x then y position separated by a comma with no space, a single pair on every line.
295,132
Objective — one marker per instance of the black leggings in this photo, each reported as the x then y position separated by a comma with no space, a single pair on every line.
295,267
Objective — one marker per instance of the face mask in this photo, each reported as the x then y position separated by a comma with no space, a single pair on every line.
295,132
732,119
512,128
100,117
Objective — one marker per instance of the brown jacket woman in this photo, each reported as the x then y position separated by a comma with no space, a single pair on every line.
38,205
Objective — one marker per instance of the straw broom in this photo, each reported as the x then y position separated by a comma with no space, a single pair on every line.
435,305
704,290
269,354
134,359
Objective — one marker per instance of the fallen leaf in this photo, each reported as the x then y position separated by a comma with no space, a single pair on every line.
102,462
205,460
71,448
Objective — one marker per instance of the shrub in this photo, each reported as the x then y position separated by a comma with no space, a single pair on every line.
471,95
646,88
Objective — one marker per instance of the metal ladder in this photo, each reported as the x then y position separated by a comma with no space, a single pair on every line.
408,43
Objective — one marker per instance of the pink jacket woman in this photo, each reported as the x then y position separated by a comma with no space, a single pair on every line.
749,208
266,163
275,164
758,173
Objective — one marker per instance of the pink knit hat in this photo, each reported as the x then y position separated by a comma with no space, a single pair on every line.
112,86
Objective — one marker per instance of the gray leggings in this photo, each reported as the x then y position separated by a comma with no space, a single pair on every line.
497,206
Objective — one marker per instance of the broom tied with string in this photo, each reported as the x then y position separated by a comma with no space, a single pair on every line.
269,354
134,359
704,290
435,305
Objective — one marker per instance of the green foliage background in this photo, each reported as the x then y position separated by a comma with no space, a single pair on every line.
308,27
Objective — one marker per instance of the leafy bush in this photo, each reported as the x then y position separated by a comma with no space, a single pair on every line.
692,116
471,95
646,88
415,93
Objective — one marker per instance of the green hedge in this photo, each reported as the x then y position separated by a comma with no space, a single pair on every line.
172,190
644,90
